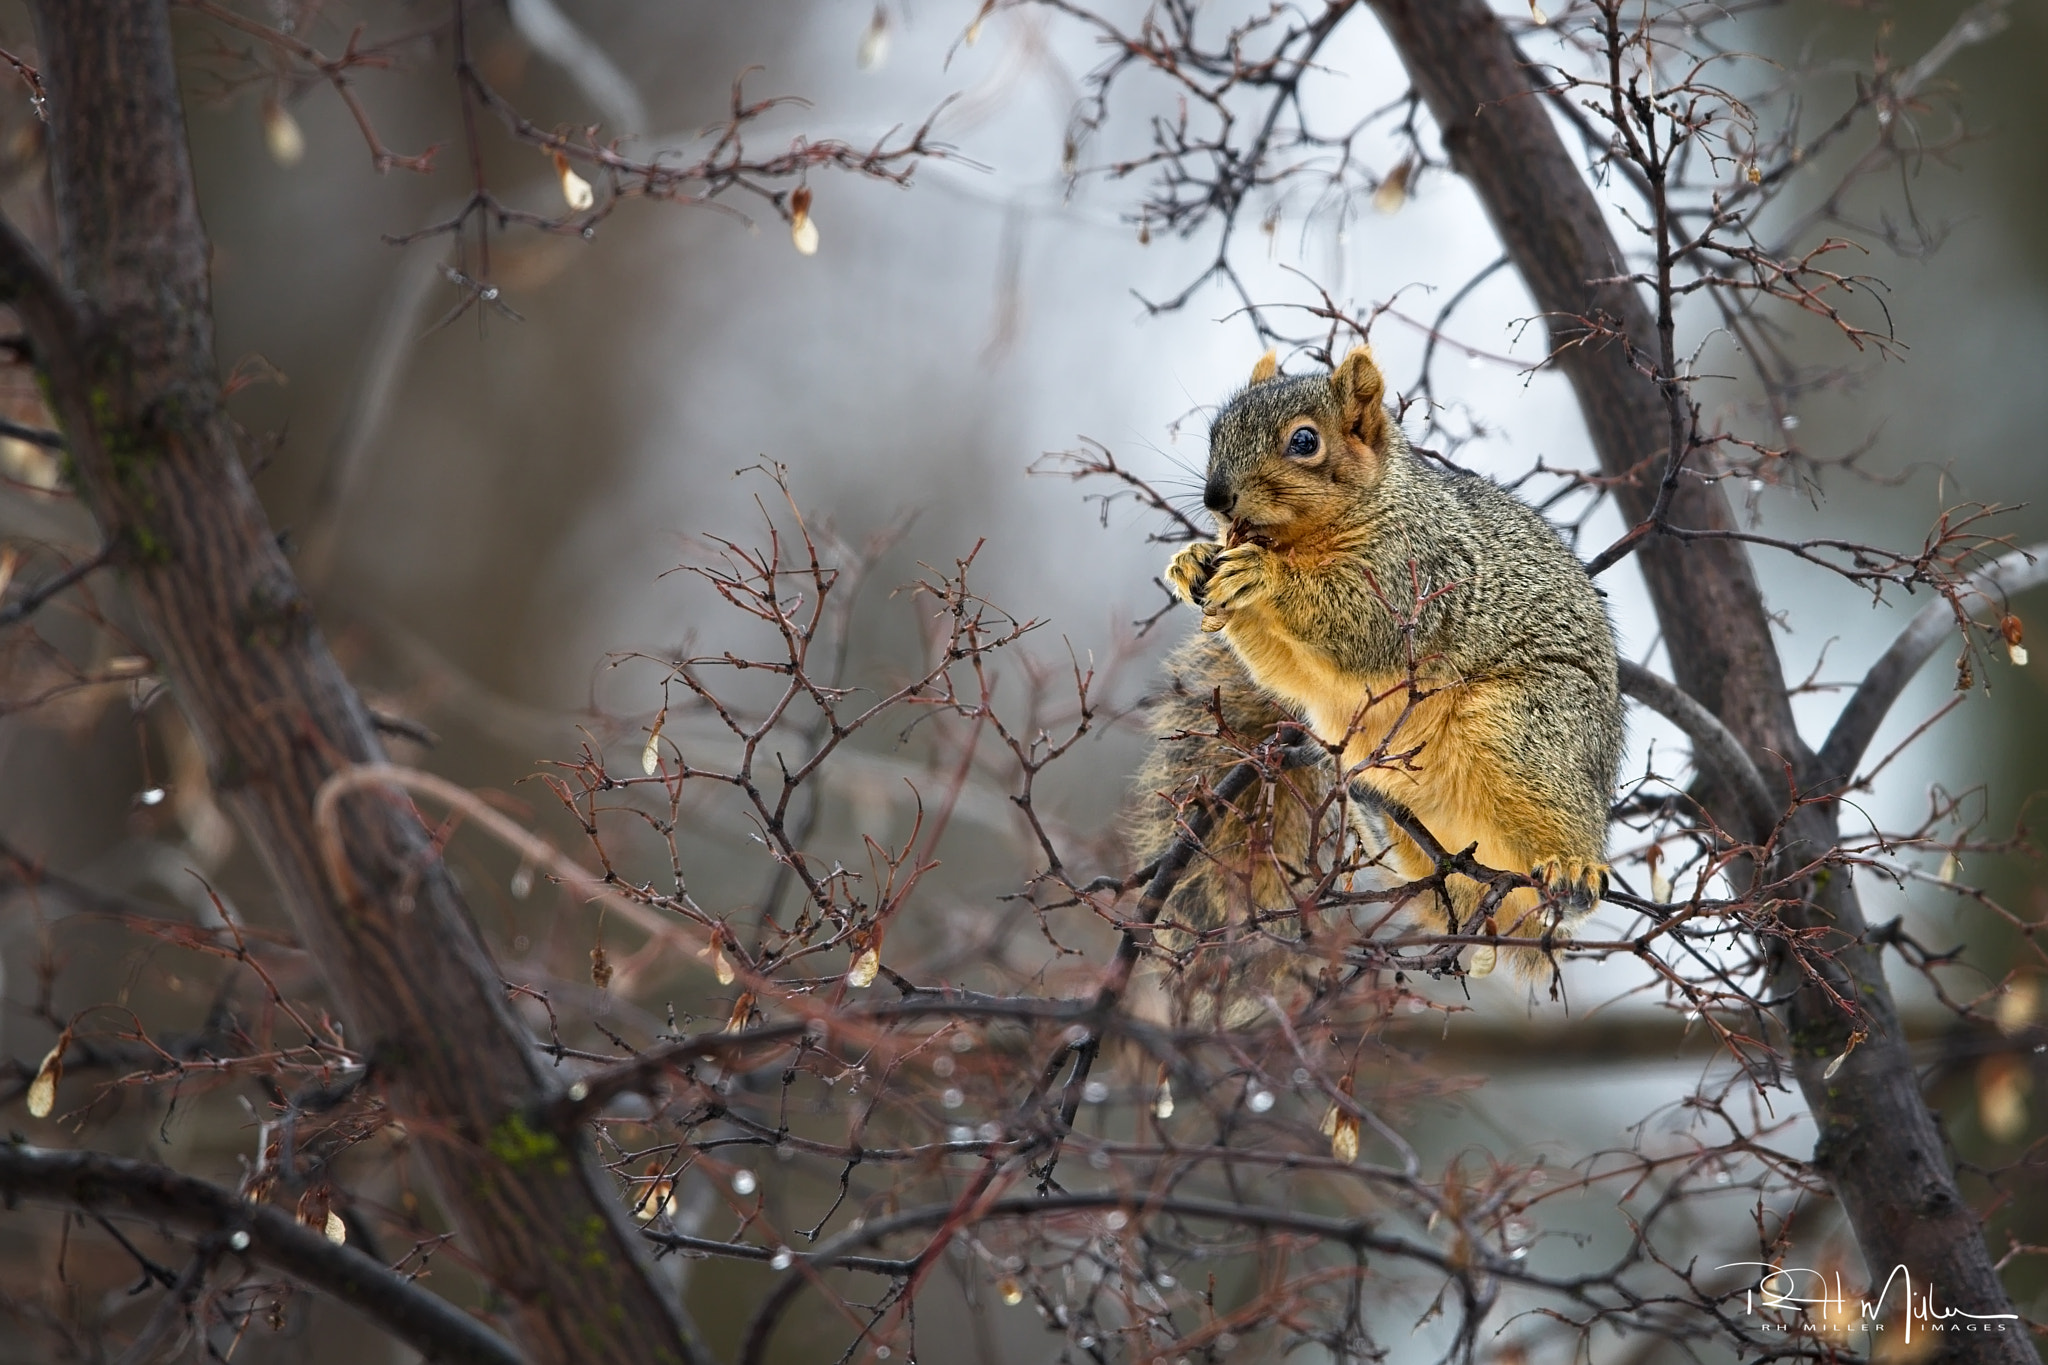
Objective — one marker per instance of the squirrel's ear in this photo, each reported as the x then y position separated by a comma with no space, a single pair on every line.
1268,366
1361,390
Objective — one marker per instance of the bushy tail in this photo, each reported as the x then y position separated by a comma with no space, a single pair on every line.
1231,922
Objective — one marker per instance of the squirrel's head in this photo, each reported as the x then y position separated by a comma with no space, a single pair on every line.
1292,455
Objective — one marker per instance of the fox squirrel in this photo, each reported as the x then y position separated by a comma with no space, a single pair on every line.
1349,566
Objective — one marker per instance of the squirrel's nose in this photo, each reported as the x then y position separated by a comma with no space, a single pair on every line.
1217,497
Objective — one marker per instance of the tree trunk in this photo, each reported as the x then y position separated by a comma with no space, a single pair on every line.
1879,1146
127,345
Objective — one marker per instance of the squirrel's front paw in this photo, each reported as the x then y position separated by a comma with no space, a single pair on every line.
1187,573
1241,573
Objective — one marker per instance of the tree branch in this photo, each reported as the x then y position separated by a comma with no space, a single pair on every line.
587,1097
136,387
32,600
1879,1146
35,436
99,1183
1857,725
1360,1234
56,322
1718,753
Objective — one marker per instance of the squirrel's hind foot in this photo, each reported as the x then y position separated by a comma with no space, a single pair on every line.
1572,887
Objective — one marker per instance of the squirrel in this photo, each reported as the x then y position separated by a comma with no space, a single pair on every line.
1427,625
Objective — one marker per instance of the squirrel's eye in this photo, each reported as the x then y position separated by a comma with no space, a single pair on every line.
1303,443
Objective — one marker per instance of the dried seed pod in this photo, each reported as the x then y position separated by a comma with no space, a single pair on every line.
576,191
42,1091
650,757
874,42
1341,1127
803,229
1393,191
1486,956
742,1010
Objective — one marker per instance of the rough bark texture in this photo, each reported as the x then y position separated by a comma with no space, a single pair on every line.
127,345
1880,1146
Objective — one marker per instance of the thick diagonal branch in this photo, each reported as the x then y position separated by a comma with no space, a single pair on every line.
104,1184
127,345
1879,1145
2015,573
1717,753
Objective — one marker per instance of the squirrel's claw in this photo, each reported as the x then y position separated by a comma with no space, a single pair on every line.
1240,573
1187,573
1577,883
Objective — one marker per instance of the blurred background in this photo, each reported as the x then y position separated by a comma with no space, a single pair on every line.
485,512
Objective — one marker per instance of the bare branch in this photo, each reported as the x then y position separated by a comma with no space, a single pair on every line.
35,436
1857,725
1718,753
32,599
100,1183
